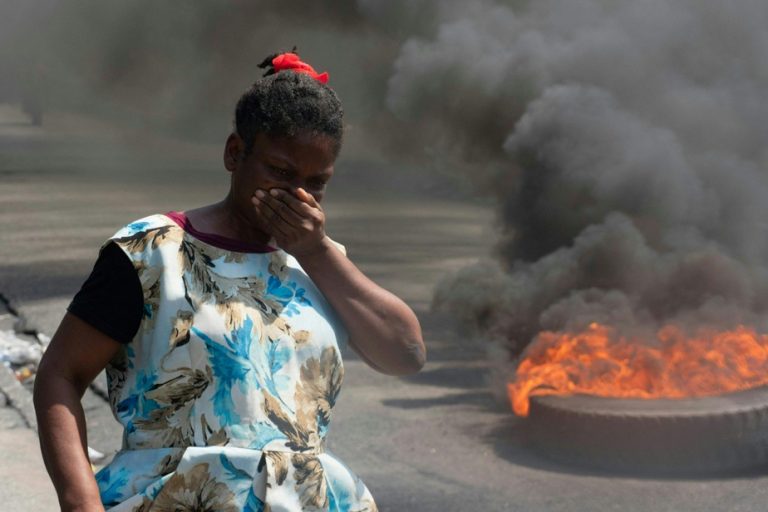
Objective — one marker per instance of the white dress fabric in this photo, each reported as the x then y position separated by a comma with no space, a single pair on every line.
225,394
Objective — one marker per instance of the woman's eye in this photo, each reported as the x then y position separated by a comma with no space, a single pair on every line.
283,173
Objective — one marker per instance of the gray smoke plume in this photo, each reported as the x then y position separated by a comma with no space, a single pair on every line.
180,66
625,143
624,139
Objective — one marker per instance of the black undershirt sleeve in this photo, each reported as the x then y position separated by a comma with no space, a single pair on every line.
111,299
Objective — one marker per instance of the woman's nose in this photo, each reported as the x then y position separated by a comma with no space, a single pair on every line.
293,186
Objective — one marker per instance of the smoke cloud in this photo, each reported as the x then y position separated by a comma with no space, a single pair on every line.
625,143
179,66
623,140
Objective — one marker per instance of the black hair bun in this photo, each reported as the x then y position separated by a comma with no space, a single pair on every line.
267,62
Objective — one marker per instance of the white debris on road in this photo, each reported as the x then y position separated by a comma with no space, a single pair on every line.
15,351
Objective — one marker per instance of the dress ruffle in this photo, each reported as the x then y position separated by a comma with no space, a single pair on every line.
231,479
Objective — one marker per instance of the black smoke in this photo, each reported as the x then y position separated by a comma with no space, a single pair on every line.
624,143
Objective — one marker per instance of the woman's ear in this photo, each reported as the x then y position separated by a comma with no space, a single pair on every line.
234,150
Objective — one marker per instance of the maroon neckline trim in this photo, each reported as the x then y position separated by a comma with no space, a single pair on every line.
222,242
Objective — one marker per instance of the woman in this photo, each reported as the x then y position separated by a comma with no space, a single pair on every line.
219,329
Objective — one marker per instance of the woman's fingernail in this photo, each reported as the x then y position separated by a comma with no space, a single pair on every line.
259,194
274,192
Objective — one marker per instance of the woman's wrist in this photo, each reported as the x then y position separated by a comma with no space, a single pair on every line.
315,252
90,507
79,493
81,503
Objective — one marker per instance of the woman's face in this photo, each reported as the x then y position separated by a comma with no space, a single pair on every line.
288,163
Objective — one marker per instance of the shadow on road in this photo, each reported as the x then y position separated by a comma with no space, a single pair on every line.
510,441
471,398
460,377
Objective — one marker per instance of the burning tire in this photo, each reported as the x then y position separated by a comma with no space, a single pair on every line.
727,433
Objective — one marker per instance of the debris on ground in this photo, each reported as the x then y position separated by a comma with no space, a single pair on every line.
21,355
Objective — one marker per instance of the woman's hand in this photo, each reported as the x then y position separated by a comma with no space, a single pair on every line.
297,223
383,330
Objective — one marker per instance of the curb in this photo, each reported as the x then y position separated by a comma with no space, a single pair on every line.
18,397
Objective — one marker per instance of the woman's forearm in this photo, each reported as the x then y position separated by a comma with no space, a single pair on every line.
61,424
382,328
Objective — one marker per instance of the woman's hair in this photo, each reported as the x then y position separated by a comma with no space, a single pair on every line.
287,103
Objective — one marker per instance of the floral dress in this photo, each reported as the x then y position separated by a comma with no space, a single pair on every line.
225,394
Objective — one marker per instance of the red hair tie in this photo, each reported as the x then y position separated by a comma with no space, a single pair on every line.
294,63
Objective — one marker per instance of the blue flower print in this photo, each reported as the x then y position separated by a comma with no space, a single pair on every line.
137,404
110,486
288,295
231,365
136,227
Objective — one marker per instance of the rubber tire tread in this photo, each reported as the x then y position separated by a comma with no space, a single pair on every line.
628,441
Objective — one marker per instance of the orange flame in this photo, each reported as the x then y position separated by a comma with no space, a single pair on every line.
599,362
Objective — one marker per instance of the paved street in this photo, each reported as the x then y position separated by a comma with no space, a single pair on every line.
437,441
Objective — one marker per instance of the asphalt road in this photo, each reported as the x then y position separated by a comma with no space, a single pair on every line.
437,441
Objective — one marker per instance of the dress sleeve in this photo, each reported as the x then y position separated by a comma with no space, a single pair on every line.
111,299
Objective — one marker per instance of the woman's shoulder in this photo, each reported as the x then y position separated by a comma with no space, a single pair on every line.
146,234
144,225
